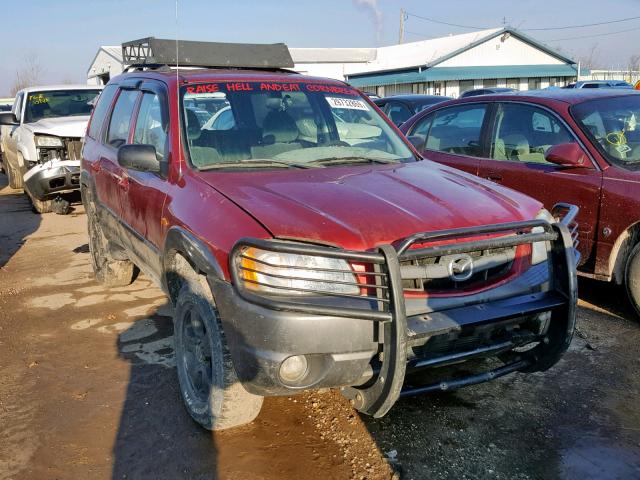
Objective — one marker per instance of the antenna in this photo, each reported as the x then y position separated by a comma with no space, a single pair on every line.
179,153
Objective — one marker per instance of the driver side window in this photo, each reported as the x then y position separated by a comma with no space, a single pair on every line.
150,126
524,133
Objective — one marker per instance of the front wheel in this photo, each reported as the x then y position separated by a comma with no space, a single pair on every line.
40,206
15,179
632,278
211,391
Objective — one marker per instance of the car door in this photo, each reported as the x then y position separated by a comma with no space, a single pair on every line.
520,135
144,196
111,183
453,135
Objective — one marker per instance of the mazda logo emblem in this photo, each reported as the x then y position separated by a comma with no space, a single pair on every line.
460,267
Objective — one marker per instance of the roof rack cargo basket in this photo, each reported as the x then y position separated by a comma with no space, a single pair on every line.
153,52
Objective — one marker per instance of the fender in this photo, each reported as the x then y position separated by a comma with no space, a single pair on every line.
180,240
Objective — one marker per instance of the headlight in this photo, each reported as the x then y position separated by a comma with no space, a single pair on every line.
47,141
293,274
539,249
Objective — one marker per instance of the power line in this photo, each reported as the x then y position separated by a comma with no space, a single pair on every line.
566,27
581,26
595,35
426,19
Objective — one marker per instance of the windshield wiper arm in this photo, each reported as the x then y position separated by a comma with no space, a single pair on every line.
256,162
354,159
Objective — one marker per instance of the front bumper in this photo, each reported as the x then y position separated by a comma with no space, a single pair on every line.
367,345
49,179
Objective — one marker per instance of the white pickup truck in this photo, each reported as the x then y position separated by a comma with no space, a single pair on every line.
41,140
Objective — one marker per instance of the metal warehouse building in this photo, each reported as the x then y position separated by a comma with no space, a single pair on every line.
500,57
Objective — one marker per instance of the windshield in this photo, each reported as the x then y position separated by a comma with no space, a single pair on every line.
276,125
59,103
614,127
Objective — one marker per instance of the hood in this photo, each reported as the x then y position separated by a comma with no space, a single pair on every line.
362,207
60,126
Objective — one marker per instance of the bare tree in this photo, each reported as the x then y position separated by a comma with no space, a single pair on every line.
634,63
590,59
29,74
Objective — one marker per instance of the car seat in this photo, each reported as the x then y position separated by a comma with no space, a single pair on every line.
279,132
200,156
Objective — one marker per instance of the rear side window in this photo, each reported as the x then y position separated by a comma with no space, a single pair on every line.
398,113
100,111
457,130
121,118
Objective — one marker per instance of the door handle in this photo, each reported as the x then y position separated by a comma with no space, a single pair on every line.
494,177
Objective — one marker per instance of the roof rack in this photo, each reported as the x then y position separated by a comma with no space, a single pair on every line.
157,53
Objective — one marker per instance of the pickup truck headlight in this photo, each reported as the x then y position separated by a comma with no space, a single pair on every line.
47,141
293,274
539,249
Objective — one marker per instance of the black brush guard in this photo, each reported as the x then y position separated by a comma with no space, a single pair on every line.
384,303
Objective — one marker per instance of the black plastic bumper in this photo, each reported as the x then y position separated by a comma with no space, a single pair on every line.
49,182
364,343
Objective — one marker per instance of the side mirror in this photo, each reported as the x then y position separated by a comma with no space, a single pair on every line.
567,155
8,118
416,141
141,158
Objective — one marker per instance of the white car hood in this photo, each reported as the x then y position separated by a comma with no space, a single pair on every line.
60,126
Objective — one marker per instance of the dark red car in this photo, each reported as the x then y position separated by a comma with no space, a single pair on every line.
305,244
579,146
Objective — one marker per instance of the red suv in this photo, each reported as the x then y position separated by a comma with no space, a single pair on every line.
578,146
305,244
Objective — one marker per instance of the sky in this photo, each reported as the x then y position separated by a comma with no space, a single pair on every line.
64,35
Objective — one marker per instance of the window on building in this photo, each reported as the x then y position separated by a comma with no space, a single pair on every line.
513,83
465,85
457,130
524,133
534,84
490,83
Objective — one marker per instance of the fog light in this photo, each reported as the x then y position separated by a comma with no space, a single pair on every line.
293,369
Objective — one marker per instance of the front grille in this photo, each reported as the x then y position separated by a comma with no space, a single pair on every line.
434,274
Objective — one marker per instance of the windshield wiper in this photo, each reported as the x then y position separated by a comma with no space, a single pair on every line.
257,162
354,159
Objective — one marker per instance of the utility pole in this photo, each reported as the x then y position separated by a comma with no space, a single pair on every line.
402,19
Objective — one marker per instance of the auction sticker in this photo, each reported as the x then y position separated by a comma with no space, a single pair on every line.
350,103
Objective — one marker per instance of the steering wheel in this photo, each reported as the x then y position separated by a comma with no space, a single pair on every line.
616,138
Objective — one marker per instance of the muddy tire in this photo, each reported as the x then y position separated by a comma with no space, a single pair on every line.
211,391
108,271
40,206
632,278
15,179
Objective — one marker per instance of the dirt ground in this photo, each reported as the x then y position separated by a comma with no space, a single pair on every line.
88,389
